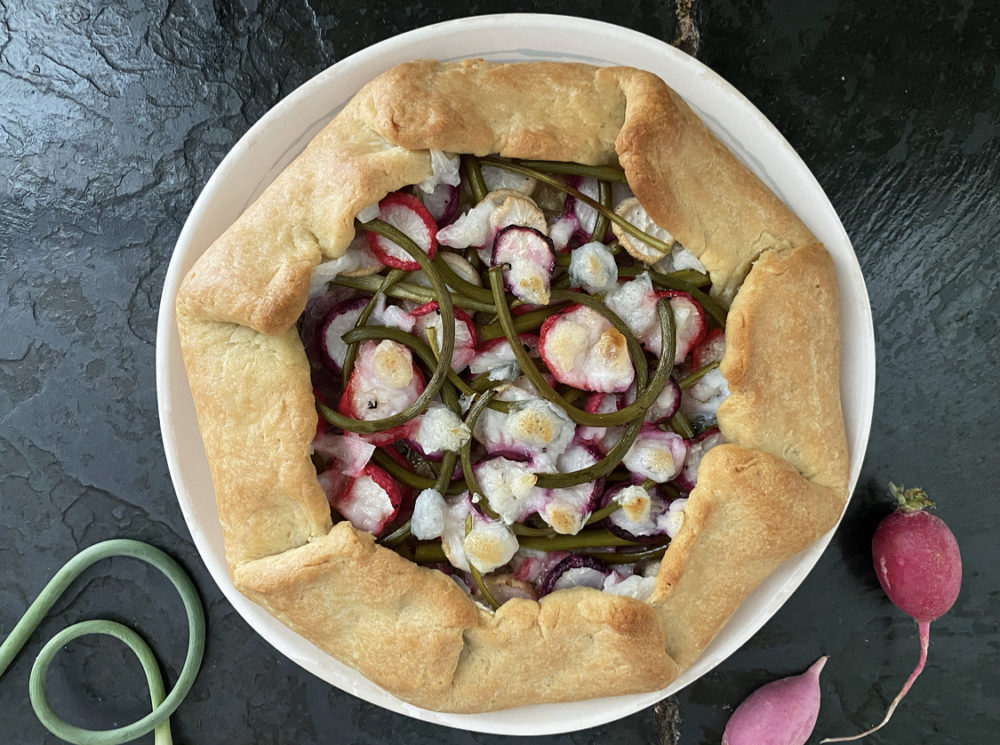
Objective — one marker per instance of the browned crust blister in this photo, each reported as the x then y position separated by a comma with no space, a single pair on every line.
776,487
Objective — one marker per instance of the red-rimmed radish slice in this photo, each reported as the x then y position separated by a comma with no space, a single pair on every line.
340,319
442,203
665,405
582,349
428,316
697,448
496,355
384,381
528,254
656,454
711,349
407,213
689,320
370,501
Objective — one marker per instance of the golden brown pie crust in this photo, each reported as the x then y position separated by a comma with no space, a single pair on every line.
779,483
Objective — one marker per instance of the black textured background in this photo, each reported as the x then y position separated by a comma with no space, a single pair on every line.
112,117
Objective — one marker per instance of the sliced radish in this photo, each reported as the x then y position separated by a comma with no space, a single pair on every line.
370,501
428,316
576,570
635,303
603,438
582,349
351,451
440,430
561,230
567,509
638,518
633,212
702,400
528,254
442,203
710,349
500,178
497,358
384,381
696,451
665,405
592,267
689,320
656,455
408,214
536,426
340,319
586,216
509,487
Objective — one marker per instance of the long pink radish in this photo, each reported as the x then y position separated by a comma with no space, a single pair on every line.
919,566
783,712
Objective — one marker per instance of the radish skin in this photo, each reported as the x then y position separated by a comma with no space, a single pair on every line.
919,566
782,712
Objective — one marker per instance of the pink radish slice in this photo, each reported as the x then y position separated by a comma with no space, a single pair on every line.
340,319
689,319
600,403
783,712
408,214
442,203
384,381
656,454
370,501
919,566
529,258
582,349
697,448
427,316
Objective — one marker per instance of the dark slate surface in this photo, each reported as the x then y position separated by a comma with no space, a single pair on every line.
112,117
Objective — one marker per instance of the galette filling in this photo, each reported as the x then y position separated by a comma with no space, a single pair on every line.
517,377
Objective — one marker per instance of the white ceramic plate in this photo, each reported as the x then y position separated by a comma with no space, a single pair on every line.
280,135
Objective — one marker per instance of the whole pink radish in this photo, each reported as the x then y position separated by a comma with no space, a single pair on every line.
919,566
782,712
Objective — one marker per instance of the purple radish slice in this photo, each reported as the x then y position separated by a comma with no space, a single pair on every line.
533,566
428,316
656,454
576,570
581,348
782,712
528,254
406,213
697,448
340,319
442,203
640,518
919,566
603,438
665,405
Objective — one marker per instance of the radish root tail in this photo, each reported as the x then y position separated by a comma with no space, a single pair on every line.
924,632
